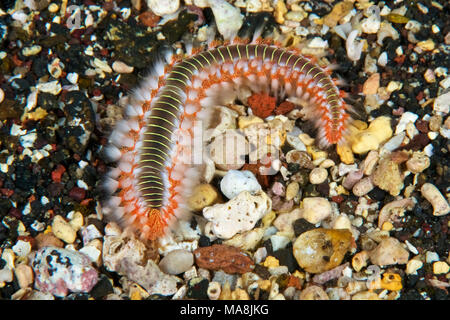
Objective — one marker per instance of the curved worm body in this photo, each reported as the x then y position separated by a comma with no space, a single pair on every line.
153,176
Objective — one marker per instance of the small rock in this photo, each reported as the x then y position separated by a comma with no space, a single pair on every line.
93,252
24,275
197,288
60,270
405,119
130,257
442,103
121,67
89,233
354,48
227,17
313,293
245,121
203,195
413,265
176,262
6,275
318,175
234,182
48,240
388,177
76,220
394,209
284,222
435,197
426,45
363,187
247,240
300,157
378,131
22,248
389,251
238,214
62,230
214,290
292,190
372,84
365,295
418,162
351,178
314,256
340,10
228,150
440,267
315,209
223,257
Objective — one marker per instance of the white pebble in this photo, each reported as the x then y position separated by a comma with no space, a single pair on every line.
407,117
383,59
442,103
316,209
234,182
354,48
238,214
2,95
22,248
437,200
72,77
176,261
228,18
431,257
121,67
163,7
53,87
318,175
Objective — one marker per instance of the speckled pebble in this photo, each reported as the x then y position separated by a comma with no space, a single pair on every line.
237,215
59,271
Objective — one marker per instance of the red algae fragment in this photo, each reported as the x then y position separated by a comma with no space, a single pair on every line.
261,104
284,108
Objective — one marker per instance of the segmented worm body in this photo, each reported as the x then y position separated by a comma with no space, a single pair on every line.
152,179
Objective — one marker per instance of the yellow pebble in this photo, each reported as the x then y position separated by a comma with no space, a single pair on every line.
48,229
306,139
360,125
299,274
271,262
316,153
426,45
264,284
239,294
138,293
204,195
341,190
387,226
225,293
391,281
440,267
245,121
268,218
378,131
345,153
280,11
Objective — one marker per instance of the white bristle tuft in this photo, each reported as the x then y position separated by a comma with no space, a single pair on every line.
112,153
110,185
